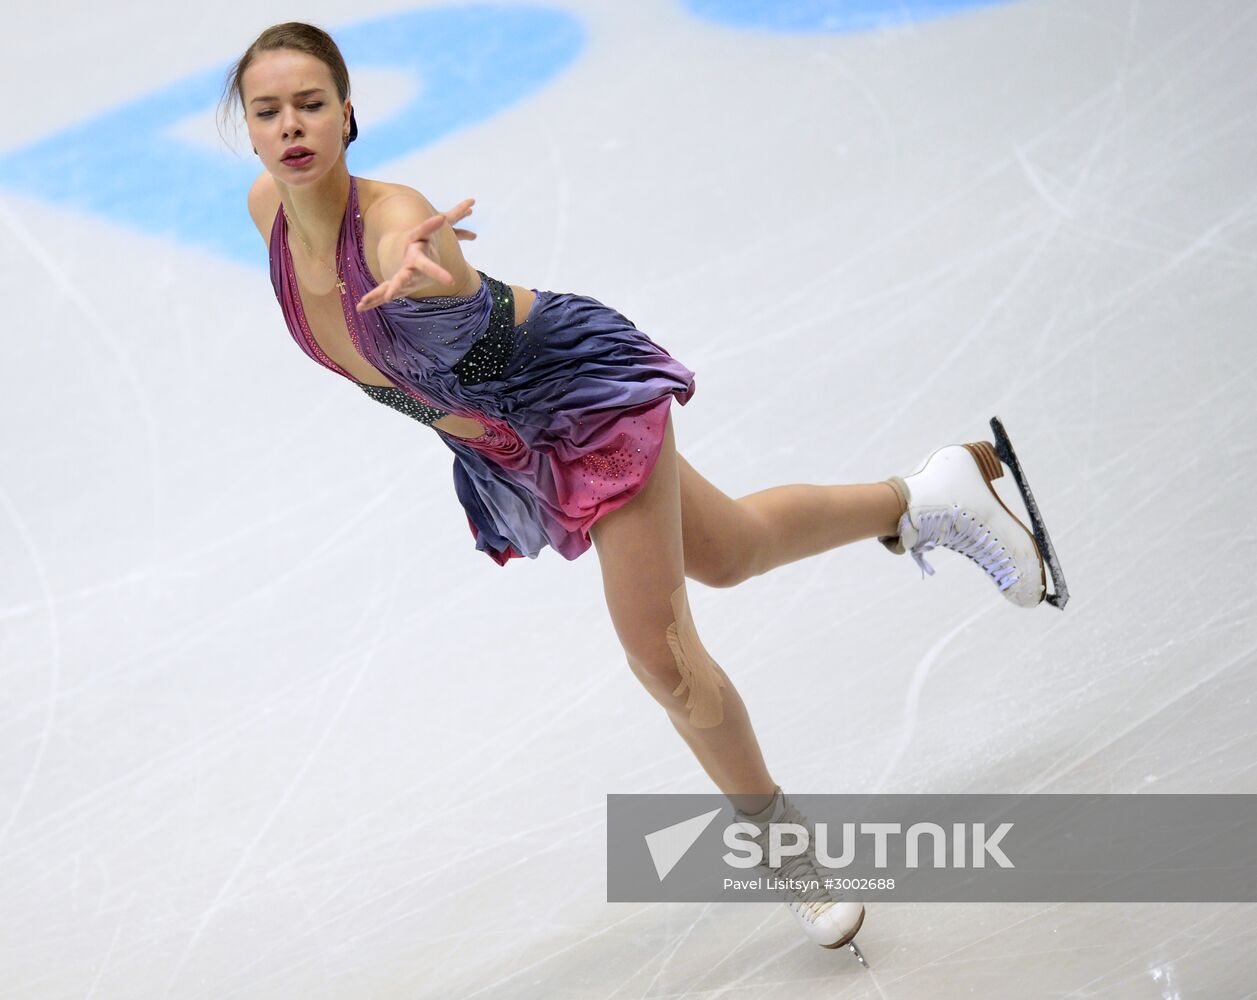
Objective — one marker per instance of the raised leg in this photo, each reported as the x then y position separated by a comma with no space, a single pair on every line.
728,541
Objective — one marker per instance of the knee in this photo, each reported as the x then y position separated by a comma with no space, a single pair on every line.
729,573
739,562
678,671
657,670
724,563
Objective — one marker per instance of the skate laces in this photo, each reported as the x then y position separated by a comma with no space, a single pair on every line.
960,531
814,900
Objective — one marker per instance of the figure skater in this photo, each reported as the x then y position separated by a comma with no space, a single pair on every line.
557,410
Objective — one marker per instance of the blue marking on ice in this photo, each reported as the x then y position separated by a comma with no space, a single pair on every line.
129,164
826,15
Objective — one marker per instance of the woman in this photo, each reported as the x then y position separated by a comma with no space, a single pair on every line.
557,410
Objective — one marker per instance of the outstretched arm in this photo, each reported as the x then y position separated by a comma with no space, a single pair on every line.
418,249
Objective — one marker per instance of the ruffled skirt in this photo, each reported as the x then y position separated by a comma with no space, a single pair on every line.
573,428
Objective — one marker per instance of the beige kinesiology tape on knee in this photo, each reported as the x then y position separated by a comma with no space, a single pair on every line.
699,673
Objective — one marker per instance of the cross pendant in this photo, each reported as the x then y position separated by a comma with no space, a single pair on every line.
341,285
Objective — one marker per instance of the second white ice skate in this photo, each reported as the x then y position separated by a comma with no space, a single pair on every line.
824,916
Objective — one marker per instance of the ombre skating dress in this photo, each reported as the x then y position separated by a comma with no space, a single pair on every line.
573,400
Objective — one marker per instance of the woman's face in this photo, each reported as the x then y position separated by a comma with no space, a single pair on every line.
290,101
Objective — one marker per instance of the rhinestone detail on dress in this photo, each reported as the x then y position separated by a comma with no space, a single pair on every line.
403,402
491,353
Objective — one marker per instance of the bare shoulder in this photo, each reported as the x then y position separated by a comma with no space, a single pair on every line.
263,204
388,206
391,210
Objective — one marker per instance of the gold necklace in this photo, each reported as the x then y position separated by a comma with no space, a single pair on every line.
340,282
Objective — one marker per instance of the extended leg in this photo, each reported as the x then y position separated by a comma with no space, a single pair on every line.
728,541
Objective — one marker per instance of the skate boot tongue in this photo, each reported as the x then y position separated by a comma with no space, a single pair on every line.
799,867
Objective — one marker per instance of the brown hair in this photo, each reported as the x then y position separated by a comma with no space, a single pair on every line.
295,35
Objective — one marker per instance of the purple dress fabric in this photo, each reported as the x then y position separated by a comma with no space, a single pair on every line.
574,422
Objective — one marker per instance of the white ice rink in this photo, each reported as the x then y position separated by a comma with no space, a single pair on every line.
257,688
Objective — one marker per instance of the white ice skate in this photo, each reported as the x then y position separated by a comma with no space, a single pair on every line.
822,913
951,504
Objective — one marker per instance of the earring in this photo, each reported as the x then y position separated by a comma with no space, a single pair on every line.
255,149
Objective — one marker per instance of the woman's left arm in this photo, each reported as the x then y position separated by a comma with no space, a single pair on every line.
418,248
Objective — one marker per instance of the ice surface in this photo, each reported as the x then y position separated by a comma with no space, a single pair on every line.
270,727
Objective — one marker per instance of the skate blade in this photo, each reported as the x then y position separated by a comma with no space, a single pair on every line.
1043,541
